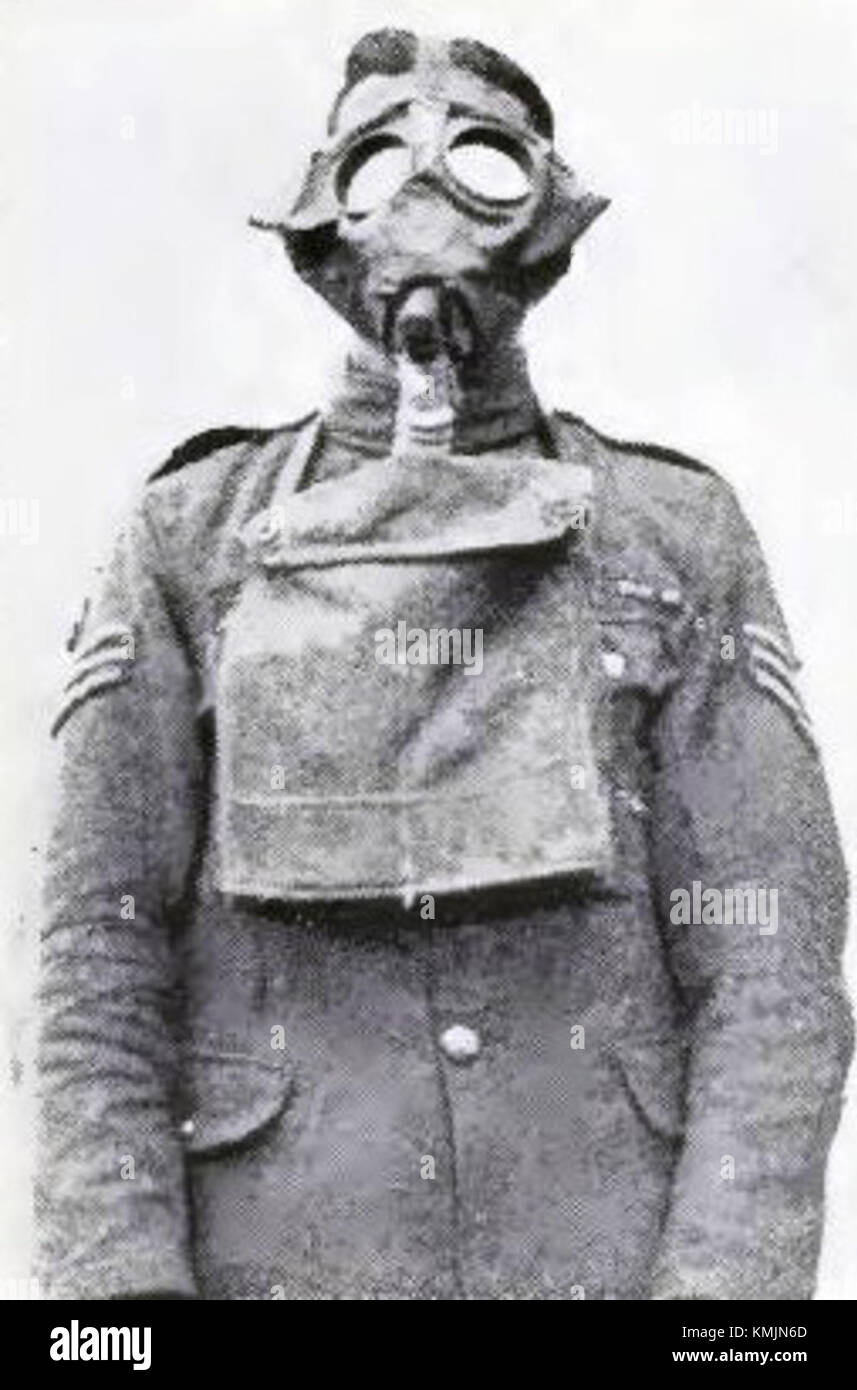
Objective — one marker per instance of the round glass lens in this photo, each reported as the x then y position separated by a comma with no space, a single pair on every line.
373,174
486,165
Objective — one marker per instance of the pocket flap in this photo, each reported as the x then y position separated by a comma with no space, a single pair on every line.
228,1096
653,1071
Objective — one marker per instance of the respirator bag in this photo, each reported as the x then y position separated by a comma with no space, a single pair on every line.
404,697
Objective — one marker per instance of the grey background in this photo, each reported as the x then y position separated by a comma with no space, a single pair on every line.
712,309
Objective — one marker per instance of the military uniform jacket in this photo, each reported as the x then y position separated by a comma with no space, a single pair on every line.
245,1098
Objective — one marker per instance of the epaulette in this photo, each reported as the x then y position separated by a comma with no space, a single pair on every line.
199,446
656,452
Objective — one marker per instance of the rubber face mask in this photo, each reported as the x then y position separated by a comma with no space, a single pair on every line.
436,214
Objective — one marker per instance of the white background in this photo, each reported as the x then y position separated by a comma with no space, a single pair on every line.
712,308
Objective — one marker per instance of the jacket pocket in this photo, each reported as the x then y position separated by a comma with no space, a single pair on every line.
652,1071
230,1096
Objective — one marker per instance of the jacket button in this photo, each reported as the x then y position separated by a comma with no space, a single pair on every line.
460,1044
613,663
186,1129
270,525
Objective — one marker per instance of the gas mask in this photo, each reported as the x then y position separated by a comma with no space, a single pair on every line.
436,215
433,218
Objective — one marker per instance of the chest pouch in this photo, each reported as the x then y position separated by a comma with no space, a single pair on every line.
404,698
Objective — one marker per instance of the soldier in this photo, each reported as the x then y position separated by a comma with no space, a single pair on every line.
367,974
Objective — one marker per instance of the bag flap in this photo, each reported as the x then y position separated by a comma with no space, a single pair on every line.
396,508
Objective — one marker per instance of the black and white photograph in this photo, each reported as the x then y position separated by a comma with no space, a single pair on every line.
427,527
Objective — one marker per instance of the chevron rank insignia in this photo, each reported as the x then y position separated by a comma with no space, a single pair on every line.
103,658
773,667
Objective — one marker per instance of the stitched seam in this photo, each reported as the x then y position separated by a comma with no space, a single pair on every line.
448,1119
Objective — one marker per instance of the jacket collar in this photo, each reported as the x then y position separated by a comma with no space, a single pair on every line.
496,407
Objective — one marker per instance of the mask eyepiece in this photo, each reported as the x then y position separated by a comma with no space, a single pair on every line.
491,165
372,172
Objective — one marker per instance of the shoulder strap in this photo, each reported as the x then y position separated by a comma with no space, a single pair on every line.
295,466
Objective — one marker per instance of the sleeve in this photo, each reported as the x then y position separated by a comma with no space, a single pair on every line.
109,1194
743,826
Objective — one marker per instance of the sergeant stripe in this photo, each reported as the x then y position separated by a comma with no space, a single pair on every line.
771,661
109,635
786,696
766,638
95,663
92,683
